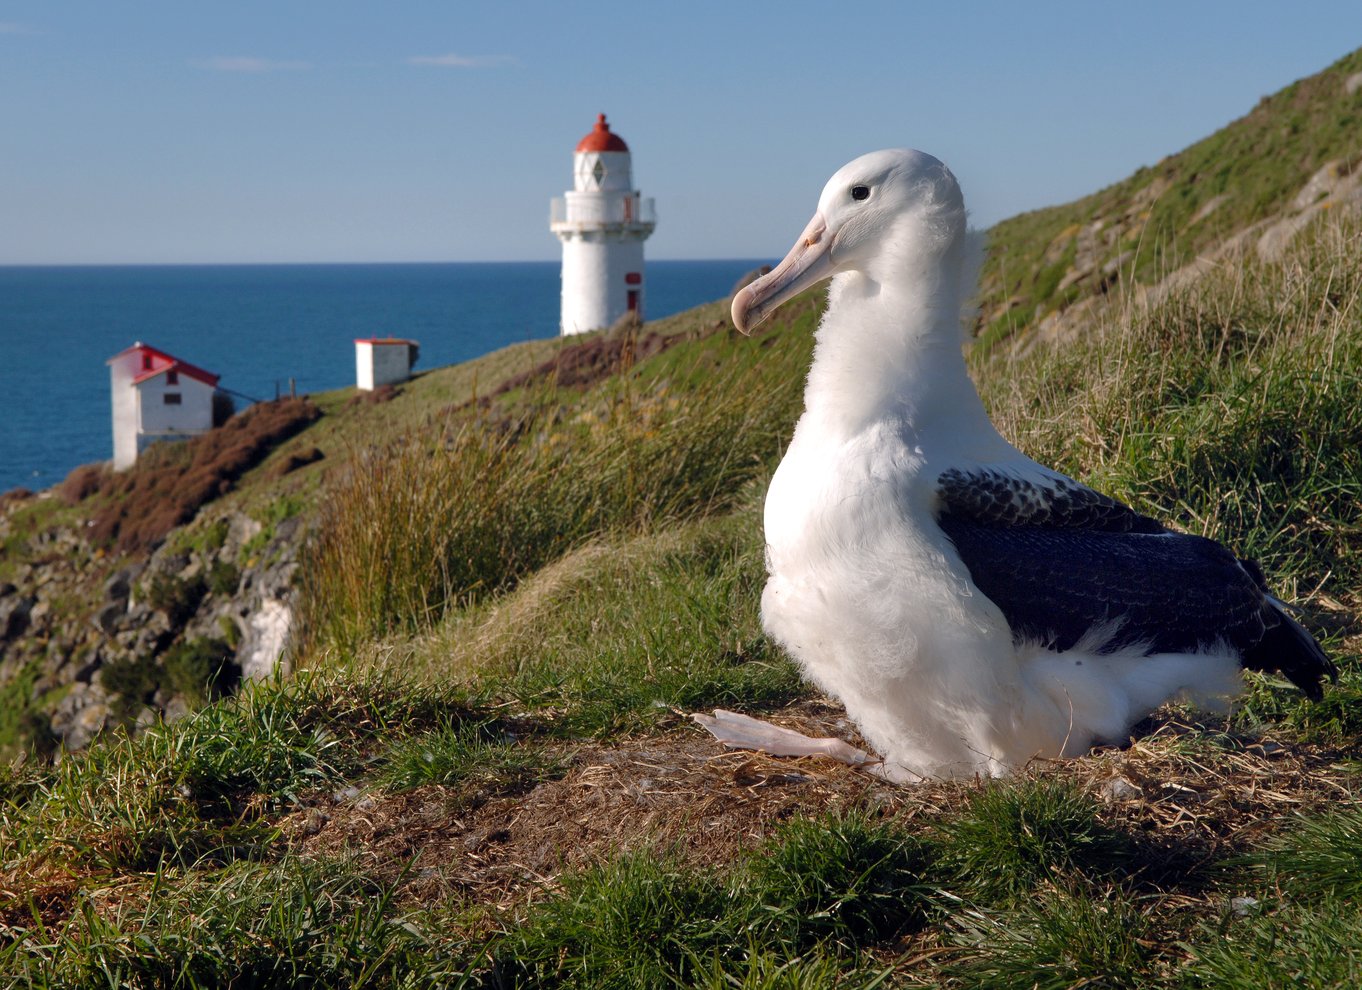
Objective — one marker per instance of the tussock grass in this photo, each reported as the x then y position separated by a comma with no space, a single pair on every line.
1013,836
847,878
1064,941
616,635
434,523
476,758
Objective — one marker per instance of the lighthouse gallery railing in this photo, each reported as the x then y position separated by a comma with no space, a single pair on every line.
628,209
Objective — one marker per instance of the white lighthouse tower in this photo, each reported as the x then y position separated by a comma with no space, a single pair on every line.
602,223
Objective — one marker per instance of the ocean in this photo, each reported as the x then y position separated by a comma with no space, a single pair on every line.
259,326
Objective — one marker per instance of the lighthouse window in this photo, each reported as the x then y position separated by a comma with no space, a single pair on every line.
598,173
172,398
172,377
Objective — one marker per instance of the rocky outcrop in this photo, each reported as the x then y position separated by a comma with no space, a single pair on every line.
99,642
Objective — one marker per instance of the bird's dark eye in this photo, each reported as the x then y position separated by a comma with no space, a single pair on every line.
860,192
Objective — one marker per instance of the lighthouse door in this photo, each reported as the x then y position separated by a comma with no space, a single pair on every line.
633,300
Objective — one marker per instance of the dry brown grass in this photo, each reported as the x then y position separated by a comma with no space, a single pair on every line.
1186,801
598,357
138,507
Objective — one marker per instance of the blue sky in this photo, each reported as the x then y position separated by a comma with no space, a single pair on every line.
434,130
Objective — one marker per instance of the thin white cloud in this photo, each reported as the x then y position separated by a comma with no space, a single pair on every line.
249,64
452,61
13,27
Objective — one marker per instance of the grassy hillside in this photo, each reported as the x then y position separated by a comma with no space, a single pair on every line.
1140,230
484,776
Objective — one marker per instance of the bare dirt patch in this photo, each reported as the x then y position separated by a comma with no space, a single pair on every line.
1185,801
590,361
679,791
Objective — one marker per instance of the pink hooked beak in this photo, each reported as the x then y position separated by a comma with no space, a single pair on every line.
809,262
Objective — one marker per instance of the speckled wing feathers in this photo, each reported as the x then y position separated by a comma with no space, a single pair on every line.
998,499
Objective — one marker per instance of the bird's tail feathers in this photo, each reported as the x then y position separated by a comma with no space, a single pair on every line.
1289,648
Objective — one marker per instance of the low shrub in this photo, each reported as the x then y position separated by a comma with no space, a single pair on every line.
83,482
201,669
170,482
177,598
223,577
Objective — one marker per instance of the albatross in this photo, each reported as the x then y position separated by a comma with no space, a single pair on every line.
972,608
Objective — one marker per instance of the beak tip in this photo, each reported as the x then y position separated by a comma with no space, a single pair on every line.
741,311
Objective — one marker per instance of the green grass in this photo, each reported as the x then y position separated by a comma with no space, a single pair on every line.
1319,857
203,787
477,760
1314,945
798,912
1063,941
639,922
291,924
1009,839
848,878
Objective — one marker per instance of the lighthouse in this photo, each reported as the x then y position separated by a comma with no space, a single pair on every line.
602,223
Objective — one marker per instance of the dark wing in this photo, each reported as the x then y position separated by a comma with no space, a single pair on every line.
1062,561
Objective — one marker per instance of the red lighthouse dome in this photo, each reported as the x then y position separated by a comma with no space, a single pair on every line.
601,138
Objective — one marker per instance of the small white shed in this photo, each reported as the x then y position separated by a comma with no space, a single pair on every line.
383,361
156,396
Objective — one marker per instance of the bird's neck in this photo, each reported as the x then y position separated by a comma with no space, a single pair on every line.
890,350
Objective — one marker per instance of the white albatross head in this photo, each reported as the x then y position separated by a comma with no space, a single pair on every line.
882,215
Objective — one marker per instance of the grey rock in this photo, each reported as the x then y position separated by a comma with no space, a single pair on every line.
88,723
175,709
287,530
85,673
1120,789
109,618
266,638
119,585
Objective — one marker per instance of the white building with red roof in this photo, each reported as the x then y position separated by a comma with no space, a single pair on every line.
602,223
156,396
383,361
